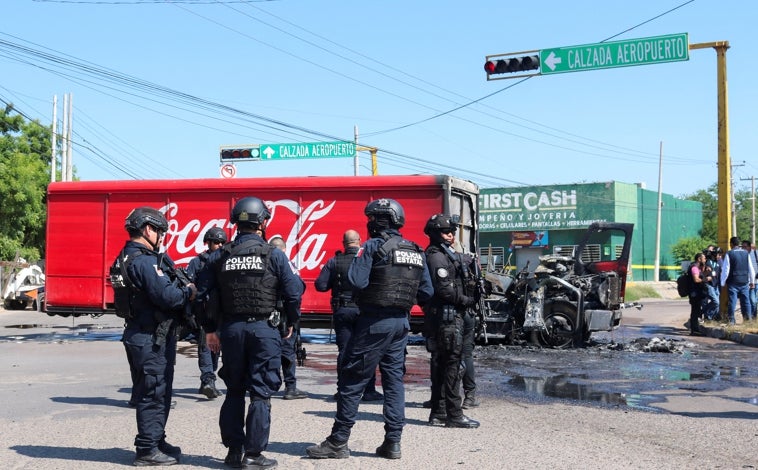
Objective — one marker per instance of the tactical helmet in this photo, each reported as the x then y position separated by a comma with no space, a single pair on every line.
145,215
441,222
386,208
250,210
215,234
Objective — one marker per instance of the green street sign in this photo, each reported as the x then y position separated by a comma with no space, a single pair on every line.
605,55
307,150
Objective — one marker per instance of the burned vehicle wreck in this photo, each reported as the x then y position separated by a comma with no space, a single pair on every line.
564,299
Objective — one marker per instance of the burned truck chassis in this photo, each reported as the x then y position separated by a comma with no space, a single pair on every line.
561,303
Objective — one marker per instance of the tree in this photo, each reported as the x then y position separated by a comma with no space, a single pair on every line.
742,208
24,175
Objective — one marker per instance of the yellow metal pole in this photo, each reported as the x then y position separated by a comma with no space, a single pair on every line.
374,169
724,185
724,161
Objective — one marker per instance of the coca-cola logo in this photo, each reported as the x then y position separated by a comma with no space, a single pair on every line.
296,225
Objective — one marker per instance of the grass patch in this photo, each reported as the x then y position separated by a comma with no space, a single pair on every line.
750,327
636,292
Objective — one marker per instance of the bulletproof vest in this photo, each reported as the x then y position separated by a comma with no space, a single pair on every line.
738,267
247,286
342,292
123,288
395,275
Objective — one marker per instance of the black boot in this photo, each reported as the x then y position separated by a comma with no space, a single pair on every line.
461,422
234,457
328,450
389,450
258,462
154,459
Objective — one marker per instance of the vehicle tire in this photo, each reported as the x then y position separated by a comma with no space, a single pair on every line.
560,320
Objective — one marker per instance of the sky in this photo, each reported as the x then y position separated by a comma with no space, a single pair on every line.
158,86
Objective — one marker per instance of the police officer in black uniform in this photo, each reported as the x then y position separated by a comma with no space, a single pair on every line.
390,275
207,360
249,275
333,276
156,303
446,312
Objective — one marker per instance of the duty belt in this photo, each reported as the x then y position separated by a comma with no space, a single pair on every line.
249,318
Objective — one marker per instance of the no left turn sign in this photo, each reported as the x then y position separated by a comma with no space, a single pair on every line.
228,171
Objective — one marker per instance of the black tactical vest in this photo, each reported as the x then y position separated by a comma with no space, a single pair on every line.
394,283
247,286
342,292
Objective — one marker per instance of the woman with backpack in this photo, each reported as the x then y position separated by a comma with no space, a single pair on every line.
700,277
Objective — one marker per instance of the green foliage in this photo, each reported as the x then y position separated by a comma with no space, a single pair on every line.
24,175
743,209
686,248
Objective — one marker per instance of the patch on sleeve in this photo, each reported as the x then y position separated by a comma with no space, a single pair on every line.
442,273
158,270
360,252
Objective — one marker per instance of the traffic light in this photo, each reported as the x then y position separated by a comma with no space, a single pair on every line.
513,65
239,152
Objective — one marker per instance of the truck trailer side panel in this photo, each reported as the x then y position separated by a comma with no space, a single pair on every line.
86,224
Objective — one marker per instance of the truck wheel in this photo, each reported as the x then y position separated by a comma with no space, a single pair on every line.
560,320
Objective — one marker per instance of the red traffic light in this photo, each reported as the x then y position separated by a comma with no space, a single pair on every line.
512,64
240,153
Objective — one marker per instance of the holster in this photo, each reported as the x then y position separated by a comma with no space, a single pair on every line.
447,314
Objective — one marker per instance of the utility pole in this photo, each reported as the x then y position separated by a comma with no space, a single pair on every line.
657,268
734,203
53,143
724,164
752,199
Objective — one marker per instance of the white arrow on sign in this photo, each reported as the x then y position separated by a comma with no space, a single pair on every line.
268,152
228,171
551,61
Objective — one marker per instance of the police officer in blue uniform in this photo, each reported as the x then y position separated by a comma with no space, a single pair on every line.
289,355
390,275
155,303
447,312
207,360
333,276
248,276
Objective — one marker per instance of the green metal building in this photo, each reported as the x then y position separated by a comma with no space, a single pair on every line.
519,224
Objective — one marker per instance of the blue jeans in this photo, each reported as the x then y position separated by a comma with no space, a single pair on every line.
741,292
711,305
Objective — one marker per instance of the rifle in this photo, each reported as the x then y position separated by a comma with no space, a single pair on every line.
482,293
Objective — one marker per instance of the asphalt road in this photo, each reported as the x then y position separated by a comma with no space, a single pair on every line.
65,383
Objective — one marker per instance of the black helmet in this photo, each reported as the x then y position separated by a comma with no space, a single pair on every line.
215,234
441,222
250,210
386,208
142,216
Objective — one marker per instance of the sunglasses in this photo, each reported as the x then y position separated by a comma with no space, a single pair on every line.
447,231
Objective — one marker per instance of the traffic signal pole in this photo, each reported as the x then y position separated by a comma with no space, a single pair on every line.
724,161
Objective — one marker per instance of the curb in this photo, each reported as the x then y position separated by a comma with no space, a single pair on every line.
747,339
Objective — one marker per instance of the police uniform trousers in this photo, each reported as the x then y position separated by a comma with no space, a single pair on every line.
251,352
469,378
448,362
344,322
207,362
152,369
289,360
376,340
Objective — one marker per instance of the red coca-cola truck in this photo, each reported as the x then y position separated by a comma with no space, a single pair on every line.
85,225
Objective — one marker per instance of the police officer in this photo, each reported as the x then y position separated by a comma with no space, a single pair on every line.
333,276
447,311
207,360
289,355
389,274
248,276
155,303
